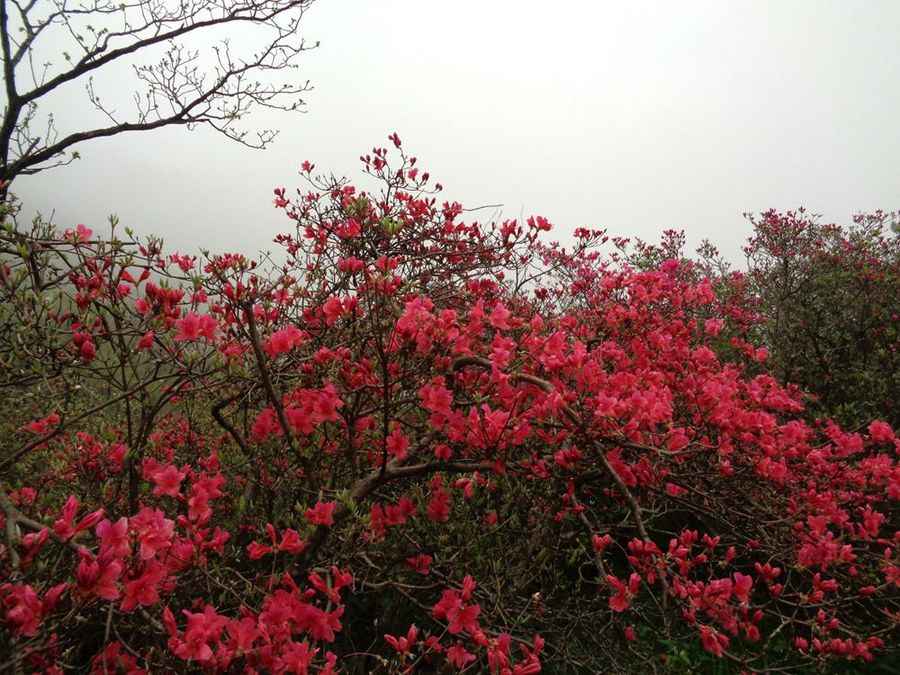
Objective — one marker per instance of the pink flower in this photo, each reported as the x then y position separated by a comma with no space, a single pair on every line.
154,531
63,526
194,326
500,317
99,576
168,480
81,233
23,611
114,536
283,341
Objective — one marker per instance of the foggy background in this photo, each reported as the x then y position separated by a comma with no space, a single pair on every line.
635,117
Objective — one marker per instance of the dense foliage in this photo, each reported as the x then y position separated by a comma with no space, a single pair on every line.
426,445
830,294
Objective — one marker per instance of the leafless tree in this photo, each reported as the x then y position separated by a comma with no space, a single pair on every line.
184,54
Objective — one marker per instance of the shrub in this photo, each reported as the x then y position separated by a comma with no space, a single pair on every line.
418,445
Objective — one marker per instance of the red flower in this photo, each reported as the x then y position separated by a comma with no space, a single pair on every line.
80,234
257,550
321,514
599,543
397,444
404,644
23,611
297,656
458,656
321,625
203,489
242,633
144,590
114,536
420,563
291,542
623,594
540,223
743,585
460,616
333,309
146,341
439,504
84,342
283,341
202,628
713,642
42,426
881,432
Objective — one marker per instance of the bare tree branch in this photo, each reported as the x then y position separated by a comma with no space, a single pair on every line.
193,81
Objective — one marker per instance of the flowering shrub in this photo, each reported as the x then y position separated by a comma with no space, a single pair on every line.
821,297
419,444
830,294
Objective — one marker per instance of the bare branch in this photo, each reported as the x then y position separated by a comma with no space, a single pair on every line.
194,81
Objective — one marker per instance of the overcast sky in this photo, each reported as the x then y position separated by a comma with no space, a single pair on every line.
634,116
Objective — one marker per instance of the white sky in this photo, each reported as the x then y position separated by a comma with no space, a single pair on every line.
634,116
